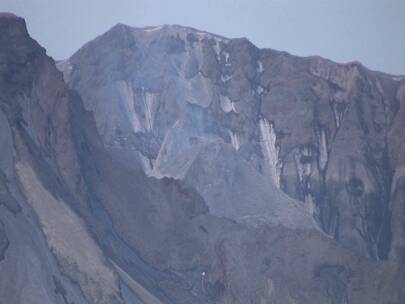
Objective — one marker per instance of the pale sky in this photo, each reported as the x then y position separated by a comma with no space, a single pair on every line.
369,31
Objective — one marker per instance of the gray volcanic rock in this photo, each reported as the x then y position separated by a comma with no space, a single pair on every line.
141,83
314,129
190,168
29,271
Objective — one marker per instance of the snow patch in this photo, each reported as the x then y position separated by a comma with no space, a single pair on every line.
397,78
127,96
226,78
323,150
234,140
217,49
201,35
147,165
227,56
303,163
310,205
227,105
259,90
338,114
260,68
153,29
143,121
270,150
150,104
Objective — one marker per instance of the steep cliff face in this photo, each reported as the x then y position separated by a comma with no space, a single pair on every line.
313,129
189,168
41,231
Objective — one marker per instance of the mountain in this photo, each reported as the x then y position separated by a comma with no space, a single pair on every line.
171,165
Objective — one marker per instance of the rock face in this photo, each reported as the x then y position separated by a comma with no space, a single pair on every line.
177,166
317,130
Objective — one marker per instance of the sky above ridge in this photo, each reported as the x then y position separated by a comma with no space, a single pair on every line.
369,31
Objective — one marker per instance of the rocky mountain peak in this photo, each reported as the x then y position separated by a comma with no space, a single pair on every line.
170,165
288,117
12,26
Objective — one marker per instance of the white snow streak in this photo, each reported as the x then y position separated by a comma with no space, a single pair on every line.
270,150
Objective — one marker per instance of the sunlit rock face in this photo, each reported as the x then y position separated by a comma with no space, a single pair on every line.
177,166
